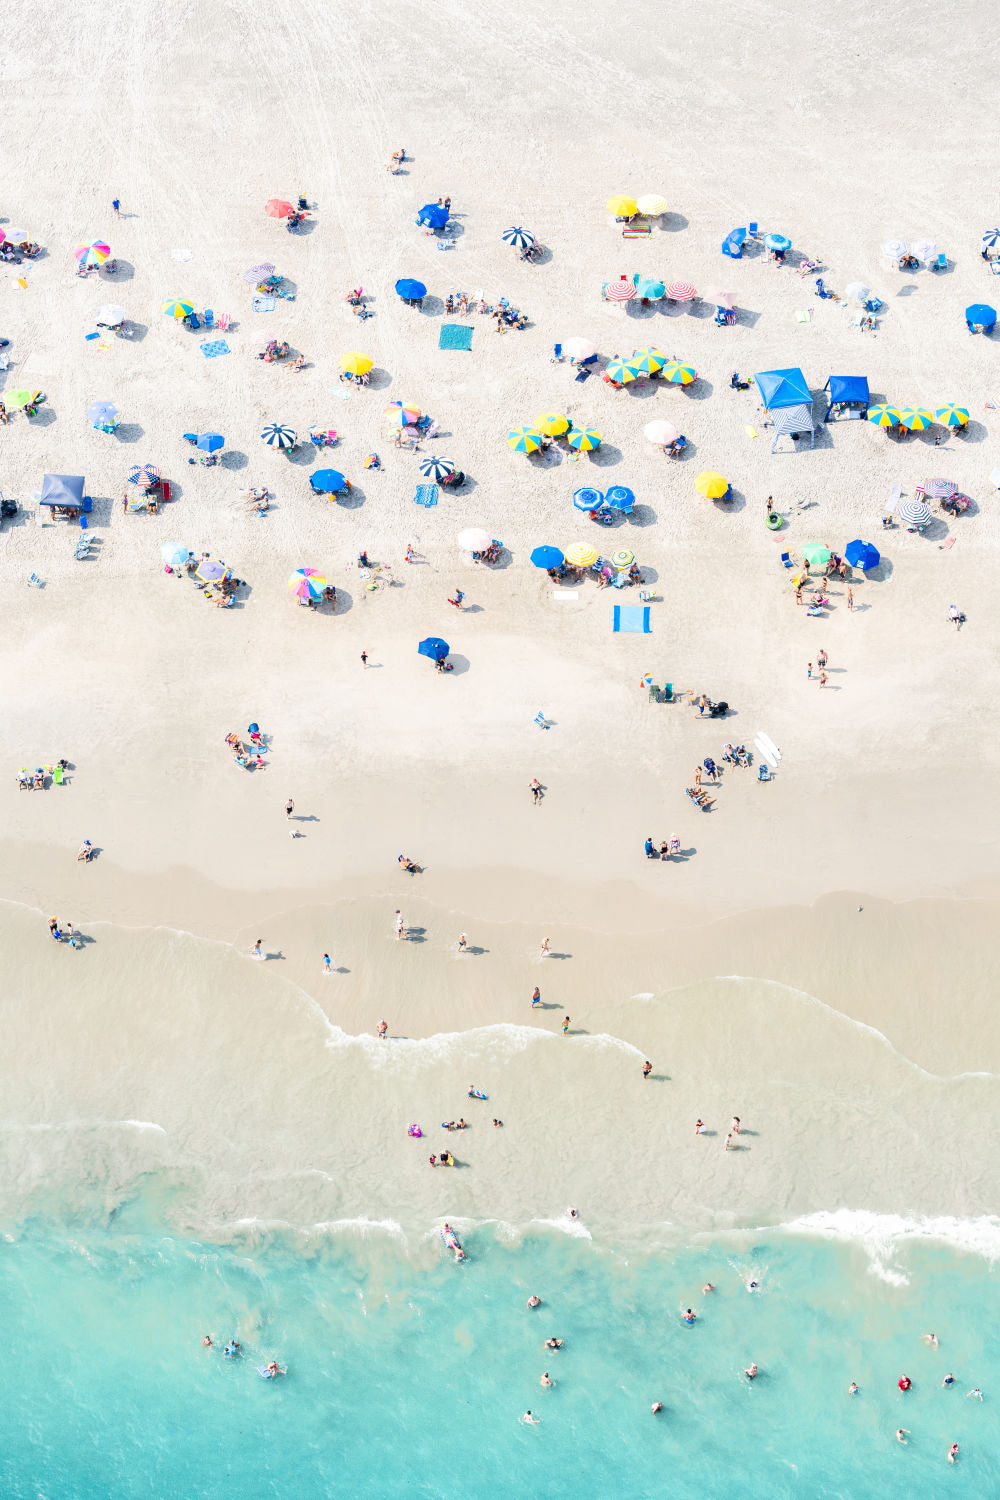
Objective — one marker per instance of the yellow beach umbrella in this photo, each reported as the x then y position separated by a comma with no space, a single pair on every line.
621,371
621,207
580,555
524,439
552,423
916,418
712,485
883,415
585,439
355,363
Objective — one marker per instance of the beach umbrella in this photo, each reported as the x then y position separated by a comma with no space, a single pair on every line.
355,363
519,238
588,499
652,291
862,555
915,513
621,207
580,555
894,249
436,468
989,238
400,414
620,497
524,439
652,205
176,307
856,291
433,215
883,416
584,439
434,647
924,250
552,423
257,273
101,412
14,400
620,370
646,680
307,583
93,253
678,373
777,242
940,489
646,361
210,570
621,290
981,313
952,416
679,291
660,432
711,484
210,442
474,539
174,554
720,297
327,481
410,290
144,475
623,558
816,555
277,208
916,418
15,236
110,314
579,349
547,557
275,435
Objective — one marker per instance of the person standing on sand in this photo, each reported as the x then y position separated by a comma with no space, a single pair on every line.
850,599
821,658
546,950
463,943
400,928
53,927
647,1068
734,1125
383,1030
257,951
729,1141
809,670
289,808
536,997
565,1026
116,207
364,658
822,679
326,964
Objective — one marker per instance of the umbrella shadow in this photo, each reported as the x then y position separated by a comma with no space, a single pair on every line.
607,456
641,390
699,308
44,417
129,432
352,499
234,459
642,515
302,454
671,223
649,575
699,390
345,602
432,306
138,331
125,272
304,226
972,432
460,664
542,256
378,379
737,501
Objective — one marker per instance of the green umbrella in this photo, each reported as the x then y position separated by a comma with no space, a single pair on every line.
13,399
816,555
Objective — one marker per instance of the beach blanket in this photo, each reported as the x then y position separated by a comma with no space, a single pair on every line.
182,254
427,495
803,315
262,303
455,336
636,232
214,347
630,619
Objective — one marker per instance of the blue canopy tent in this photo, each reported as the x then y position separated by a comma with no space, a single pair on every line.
733,244
849,392
433,216
980,315
779,388
64,491
410,290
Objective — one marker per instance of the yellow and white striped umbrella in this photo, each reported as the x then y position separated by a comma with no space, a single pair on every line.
580,555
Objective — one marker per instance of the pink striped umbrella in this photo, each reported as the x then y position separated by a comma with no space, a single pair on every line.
621,290
680,291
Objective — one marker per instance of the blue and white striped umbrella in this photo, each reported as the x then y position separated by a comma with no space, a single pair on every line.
520,238
990,238
588,499
436,468
277,436
915,513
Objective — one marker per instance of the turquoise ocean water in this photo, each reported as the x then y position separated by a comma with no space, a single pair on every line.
407,1372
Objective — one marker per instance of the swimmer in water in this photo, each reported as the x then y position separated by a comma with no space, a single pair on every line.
952,1453
529,1420
557,1344
274,1370
533,1301
931,1339
976,1392
902,1433
232,1349
948,1380
852,1389
904,1382
751,1371
206,1342
656,1407
752,1285
708,1287
690,1315
546,1379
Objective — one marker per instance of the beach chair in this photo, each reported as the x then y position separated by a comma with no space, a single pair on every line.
786,558
654,693
557,355
34,581
941,263
668,692
224,322
752,230
208,318
540,720
57,776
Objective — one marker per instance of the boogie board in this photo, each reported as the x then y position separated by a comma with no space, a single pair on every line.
768,749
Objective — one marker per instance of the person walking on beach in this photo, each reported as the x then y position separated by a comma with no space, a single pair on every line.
535,787
326,964
54,927
257,951
536,997
364,658
821,658
850,599
729,1141
383,1030
289,808
546,950
400,928
647,1068
809,670
734,1125
822,679
463,943
565,1026
116,207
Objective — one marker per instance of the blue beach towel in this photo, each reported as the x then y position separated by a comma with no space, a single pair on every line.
455,336
631,619
263,304
214,347
427,495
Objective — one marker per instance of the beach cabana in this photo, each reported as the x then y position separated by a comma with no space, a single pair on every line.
780,388
63,490
791,422
980,317
733,244
850,393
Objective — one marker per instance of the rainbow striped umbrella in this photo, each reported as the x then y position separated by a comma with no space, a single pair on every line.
678,373
401,414
952,416
884,416
679,291
647,360
916,418
176,307
584,439
524,439
621,290
580,555
552,423
307,583
93,253
620,370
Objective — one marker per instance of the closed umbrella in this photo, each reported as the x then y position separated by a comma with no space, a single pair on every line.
355,363
584,439
257,273
660,432
307,583
711,484
678,373
621,207
777,242
651,291
816,555
101,412
940,489
434,647
278,436
547,557
579,349
433,215
924,250
410,290
588,498
862,555
721,297
916,418
856,291
110,315
92,253
915,513
210,570
651,204
524,439
952,416
620,371
620,497
679,291
474,539
519,238
647,361
177,307
210,442
552,423
327,481
174,554
278,208
146,476
436,468
894,249
621,290
580,555
623,558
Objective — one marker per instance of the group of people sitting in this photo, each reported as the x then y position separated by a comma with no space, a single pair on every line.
665,850
27,249
606,575
37,780
736,755
356,299
248,759
258,500
490,554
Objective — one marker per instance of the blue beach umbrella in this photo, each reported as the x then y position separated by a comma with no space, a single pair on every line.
588,499
436,468
519,238
174,554
777,242
210,442
981,314
990,238
862,555
433,215
101,412
653,290
620,497
434,647
327,481
547,557
410,290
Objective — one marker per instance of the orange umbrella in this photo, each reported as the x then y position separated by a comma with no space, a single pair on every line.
277,208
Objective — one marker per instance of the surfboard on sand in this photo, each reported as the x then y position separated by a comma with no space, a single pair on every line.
768,749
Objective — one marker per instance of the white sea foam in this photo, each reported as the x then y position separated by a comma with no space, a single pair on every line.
882,1236
42,1126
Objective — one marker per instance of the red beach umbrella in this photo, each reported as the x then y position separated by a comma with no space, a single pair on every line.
277,208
